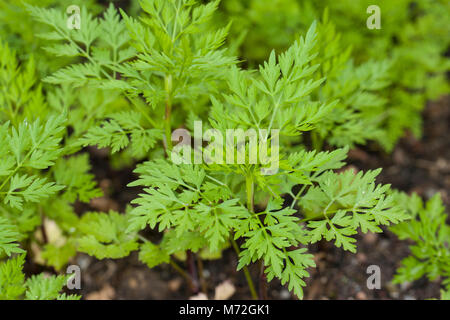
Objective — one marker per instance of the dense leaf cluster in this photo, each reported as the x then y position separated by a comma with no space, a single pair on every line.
125,81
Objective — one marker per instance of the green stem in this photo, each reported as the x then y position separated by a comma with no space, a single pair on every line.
179,270
317,141
248,277
43,229
140,106
250,192
250,187
168,111
172,263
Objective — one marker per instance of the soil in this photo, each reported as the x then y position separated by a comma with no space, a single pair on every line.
416,165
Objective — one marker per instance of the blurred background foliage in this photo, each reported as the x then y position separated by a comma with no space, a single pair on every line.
413,38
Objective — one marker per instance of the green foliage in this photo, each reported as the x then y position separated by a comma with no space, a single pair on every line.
58,256
101,53
79,184
104,235
30,146
354,201
360,106
37,179
206,200
359,112
166,58
412,39
13,285
8,237
125,81
152,255
445,295
430,253
176,54
19,30
12,278
120,131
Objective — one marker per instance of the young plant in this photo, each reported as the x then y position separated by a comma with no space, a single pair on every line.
13,285
359,112
177,64
19,31
430,234
38,185
240,203
413,35
174,62
171,71
413,39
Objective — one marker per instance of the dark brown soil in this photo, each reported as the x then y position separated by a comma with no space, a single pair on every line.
420,166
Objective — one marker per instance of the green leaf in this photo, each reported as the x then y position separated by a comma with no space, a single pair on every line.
8,237
104,235
40,287
152,255
12,278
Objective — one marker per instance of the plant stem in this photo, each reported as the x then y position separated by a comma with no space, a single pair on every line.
250,192
43,230
262,281
192,269
173,264
317,141
140,106
168,111
200,275
179,270
248,277
250,205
